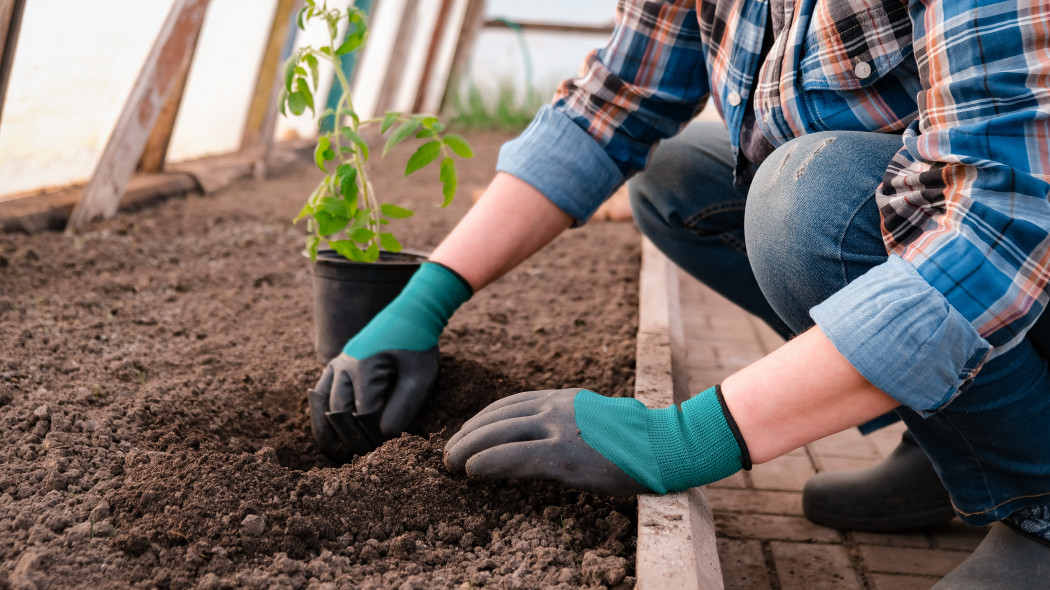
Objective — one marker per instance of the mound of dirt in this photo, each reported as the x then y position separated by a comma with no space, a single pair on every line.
154,429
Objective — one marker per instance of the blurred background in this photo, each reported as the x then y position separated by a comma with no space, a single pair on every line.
73,65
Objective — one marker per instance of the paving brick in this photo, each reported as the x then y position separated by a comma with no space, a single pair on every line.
743,565
886,439
772,526
838,464
803,566
915,540
789,472
894,582
736,481
757,501
900,560
958,535
850,444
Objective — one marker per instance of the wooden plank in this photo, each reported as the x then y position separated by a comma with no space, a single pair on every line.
156,80
432,51
397,60
156,150
550,27
10,24
471,24
257,139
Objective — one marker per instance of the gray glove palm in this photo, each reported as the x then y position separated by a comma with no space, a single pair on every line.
533,435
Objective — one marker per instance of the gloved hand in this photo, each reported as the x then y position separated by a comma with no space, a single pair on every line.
374,388
613,446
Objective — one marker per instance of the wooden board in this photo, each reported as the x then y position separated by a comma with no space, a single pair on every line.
158,77
10,24
257,140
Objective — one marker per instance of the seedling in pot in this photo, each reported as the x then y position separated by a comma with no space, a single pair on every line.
344,211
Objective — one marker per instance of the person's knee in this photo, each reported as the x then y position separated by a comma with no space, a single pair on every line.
794,226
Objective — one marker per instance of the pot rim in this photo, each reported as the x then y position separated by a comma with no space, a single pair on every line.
406,257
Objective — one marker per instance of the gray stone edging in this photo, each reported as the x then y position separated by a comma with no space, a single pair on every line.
676,535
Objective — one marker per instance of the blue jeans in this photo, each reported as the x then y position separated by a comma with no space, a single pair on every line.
805,227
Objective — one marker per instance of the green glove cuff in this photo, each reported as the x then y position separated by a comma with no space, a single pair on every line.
666,450
415,319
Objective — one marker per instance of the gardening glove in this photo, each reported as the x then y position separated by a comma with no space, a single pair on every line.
374,388
613,446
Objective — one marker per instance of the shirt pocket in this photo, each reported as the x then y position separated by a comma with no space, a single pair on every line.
852,44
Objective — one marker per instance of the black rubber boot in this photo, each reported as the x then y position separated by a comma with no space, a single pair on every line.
1005,560
901,493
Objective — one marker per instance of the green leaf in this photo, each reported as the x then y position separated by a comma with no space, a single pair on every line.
372,253
395,212
362,235
459,146
329,154
348,249
301,87
359,141
311,62
308,209
388,120
325,51
406,130
360,220
297,103
319,152
334,207
299,18
311,247
389,242
346,177
428,122
328,224
438,127
427,153
289,73
425,133
448,179
300,70
352,42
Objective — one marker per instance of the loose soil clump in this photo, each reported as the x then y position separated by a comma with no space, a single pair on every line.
155,432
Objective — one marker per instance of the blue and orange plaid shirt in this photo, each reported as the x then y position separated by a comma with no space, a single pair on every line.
964,203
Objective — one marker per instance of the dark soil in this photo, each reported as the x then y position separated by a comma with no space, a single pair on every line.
153,419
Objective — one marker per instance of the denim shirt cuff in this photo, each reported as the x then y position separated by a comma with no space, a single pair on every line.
903,336
559,159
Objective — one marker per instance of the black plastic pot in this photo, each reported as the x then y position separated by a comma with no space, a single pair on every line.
348,294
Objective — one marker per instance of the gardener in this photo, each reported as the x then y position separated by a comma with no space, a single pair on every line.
886,165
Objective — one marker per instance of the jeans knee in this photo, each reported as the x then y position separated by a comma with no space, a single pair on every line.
794,229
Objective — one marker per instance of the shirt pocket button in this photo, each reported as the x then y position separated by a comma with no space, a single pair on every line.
862,70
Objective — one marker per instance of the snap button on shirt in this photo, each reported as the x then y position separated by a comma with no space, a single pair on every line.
734,99
862,70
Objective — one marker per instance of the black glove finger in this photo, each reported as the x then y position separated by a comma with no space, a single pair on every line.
417,372
324,435
528,459
516,406
374,377
528,425
341,394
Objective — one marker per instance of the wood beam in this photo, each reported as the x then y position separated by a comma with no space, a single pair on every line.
156,150
10,24
257,139
158,77
550,27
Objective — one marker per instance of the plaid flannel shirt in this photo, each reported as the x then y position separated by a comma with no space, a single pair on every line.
964,202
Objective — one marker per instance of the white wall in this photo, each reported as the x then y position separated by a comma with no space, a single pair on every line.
497,59
77,61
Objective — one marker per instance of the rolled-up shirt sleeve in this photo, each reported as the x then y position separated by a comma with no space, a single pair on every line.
646,84
903,336
965,210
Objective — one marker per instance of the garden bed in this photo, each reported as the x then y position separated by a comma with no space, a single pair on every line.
153,379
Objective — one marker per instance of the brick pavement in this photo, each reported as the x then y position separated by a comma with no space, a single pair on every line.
764,542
